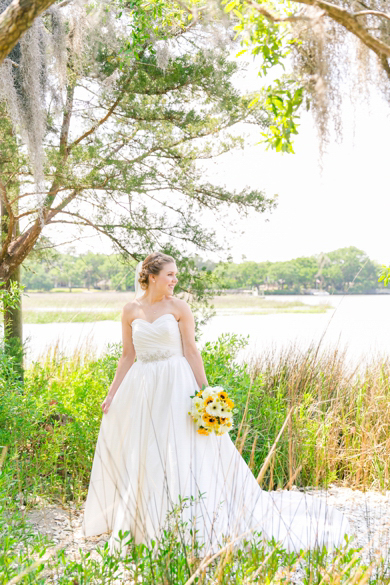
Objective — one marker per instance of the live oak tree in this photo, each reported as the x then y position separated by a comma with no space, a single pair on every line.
124,161
97,135
317,32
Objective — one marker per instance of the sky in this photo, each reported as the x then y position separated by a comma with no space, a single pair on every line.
348,205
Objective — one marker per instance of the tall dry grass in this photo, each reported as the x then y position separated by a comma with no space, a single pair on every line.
339,428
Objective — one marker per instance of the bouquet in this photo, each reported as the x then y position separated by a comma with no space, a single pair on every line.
212,410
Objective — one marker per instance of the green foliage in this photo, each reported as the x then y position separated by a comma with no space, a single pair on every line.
338,271
258,35
52,427
270,42
132,174
88,270
20,546
11,348
10,297
384,275
156,19
283,100
51,430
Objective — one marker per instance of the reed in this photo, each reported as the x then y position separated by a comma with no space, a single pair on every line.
339,430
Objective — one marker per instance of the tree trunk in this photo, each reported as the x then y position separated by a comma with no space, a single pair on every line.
13,330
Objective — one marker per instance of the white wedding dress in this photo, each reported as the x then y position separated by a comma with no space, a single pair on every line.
148,453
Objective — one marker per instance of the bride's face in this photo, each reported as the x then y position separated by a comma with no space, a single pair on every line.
166,280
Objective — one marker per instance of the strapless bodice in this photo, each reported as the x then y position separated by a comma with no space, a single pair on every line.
158,340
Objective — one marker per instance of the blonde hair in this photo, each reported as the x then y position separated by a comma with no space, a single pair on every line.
152,265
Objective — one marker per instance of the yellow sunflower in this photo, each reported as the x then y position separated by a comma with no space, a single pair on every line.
208,400
230,403
203,432
223,395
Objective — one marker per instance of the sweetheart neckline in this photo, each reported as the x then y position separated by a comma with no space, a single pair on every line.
152,322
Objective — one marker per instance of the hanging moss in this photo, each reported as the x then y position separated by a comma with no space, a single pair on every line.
333,64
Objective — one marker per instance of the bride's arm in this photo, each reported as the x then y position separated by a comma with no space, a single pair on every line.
191,352
125,361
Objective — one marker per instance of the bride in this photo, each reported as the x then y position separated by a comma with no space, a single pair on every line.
149,456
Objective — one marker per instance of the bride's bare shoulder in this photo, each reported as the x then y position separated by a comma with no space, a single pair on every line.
182,308
130,310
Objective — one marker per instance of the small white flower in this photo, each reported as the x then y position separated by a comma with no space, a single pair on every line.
214,409
198,402
207,392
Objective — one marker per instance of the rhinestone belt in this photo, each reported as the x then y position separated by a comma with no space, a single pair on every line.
155,356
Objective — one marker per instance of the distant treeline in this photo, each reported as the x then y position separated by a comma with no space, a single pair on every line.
345,269
338,271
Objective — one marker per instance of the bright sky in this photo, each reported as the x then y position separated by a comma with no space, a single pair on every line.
348,206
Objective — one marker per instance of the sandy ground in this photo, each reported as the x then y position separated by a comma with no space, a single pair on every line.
367,512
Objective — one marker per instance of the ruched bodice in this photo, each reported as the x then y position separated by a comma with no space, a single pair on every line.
158,340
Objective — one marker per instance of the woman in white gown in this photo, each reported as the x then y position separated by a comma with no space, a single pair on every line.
148,451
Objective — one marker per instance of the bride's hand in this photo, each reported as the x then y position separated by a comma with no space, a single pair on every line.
106,403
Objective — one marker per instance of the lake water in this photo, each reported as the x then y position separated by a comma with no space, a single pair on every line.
358,323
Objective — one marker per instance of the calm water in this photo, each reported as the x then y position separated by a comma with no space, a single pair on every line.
360,323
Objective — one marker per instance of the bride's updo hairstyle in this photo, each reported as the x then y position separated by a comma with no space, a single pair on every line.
152,265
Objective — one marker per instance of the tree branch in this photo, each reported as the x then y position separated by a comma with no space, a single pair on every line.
89,223
64,151
16,19
99,123
348,21
66,120
386,66
275,17
373,12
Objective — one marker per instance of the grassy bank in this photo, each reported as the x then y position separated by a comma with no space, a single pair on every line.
102,306
70,316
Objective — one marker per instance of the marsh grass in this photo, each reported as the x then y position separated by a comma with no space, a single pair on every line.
338,431
247,301
340,425
76,300
86,307
70,316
